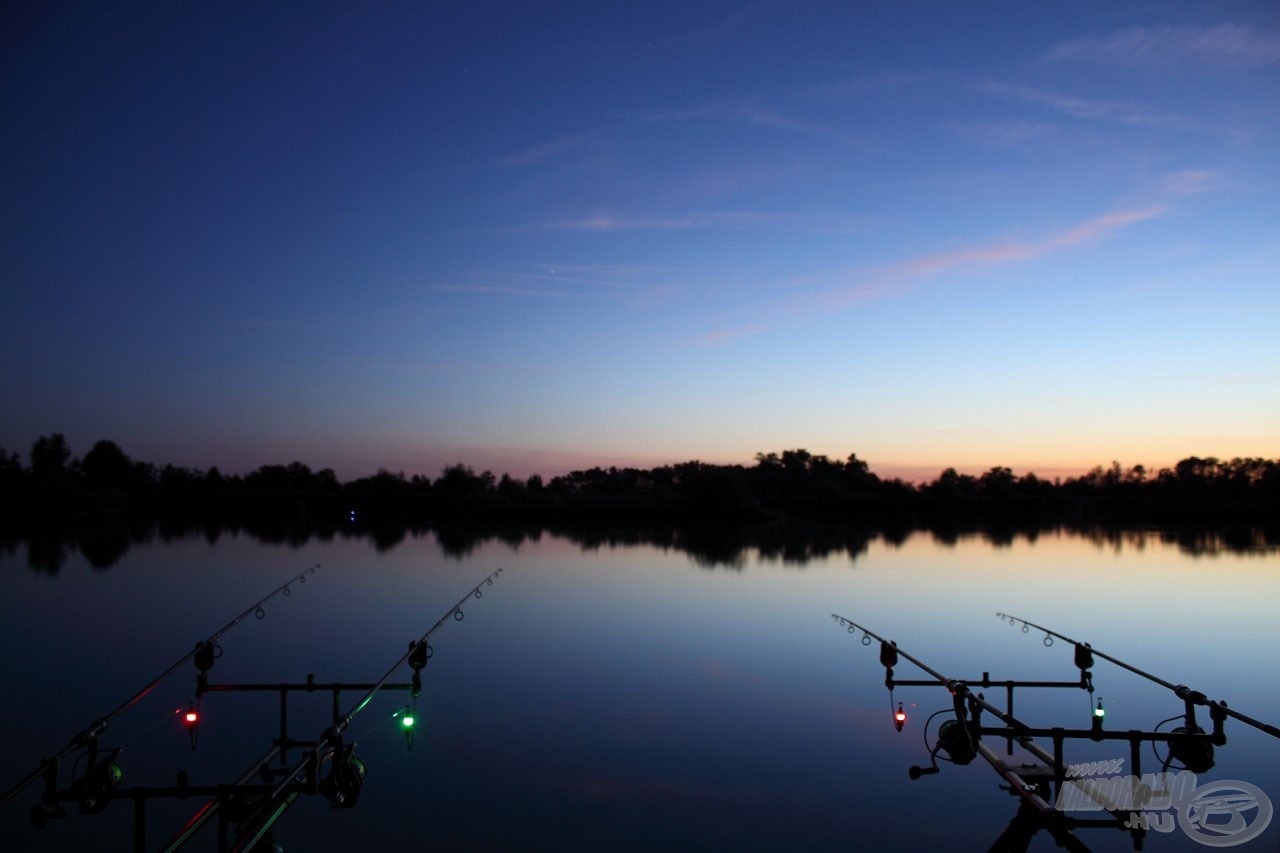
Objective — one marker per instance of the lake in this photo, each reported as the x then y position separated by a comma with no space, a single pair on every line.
624,693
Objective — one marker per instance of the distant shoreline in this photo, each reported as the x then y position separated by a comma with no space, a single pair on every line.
57,488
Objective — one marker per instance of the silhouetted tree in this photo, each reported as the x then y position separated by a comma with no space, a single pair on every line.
952,487
459,485
49,456
145,477
326,482
792,483
107,465
384,493
10,463
11,471
511,489
176,481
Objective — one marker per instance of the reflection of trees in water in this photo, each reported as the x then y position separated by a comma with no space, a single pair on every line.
460,540
896,537
103,548
1232,540
1195,541
713,547
731,546
995,535
708,546
47,552
797,545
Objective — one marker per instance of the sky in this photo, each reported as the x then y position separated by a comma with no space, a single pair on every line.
535,237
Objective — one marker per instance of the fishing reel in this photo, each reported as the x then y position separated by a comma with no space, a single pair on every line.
955,740
1194,748
93,790
1195,753
345,779
957,737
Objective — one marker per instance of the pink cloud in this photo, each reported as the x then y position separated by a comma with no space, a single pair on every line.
1099,227
901,277
897,279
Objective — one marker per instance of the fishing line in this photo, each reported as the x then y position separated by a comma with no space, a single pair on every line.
933,750
159,722
1168,760
392,716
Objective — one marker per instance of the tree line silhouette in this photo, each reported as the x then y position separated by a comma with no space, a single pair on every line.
106,482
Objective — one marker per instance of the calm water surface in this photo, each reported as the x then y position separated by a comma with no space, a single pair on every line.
627,697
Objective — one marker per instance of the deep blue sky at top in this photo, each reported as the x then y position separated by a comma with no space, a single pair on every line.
532,237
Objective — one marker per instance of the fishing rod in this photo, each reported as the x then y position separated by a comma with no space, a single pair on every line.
416,656
959,689
346,775
959,742
1189,696
204,653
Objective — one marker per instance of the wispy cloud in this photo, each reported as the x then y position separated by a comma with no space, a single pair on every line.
1097,228
1086,108
899,278
1191,181
1009,135
562,276
614,222
612,271
502,290
737,21
744,111
637,285
727,220
545,151
1229,45
873,84
902,276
